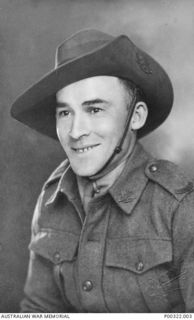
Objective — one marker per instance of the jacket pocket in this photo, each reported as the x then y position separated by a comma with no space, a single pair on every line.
138,255
146,260
55,246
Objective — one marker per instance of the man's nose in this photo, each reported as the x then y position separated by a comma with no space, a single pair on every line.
79,127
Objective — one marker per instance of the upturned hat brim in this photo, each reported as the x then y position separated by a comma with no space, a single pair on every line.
118,57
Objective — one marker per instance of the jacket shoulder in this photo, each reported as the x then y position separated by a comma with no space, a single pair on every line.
56,174
170,177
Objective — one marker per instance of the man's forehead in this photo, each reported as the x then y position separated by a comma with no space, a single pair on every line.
104,85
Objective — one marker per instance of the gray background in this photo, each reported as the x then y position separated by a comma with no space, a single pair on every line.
29,33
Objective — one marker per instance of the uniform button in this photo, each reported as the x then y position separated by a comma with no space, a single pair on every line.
139,266
87,285
57,257
153,168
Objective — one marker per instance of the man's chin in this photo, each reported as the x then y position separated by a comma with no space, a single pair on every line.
83,171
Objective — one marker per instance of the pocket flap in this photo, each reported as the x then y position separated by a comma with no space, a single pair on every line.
55,246
138,255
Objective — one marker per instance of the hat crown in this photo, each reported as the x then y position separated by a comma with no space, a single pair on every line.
79,44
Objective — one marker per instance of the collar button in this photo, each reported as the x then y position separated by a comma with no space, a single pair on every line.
57,257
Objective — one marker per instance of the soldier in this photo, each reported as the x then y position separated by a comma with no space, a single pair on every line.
113,228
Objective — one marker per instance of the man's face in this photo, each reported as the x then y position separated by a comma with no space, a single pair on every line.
90,120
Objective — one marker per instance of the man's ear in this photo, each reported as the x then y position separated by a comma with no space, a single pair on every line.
139,117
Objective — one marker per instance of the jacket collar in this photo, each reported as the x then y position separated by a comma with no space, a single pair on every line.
128,188
67,185
125,191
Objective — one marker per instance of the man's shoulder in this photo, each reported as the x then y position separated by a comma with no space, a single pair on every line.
57,174
170,177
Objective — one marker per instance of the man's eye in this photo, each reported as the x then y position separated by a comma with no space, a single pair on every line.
94,110
62,113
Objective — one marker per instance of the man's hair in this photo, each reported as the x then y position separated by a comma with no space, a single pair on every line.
130,88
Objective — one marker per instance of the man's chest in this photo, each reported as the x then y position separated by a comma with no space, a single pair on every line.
109,260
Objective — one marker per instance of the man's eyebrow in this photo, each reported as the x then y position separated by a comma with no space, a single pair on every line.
61,105
94,101
85,103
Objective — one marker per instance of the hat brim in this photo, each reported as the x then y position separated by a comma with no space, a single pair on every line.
120,58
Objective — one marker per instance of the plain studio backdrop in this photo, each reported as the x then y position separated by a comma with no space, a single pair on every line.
30,30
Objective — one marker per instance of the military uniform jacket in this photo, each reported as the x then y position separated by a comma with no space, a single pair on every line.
132,252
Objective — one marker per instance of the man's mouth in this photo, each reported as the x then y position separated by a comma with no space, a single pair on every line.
84,149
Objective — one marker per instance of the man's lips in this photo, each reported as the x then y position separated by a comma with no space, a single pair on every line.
84,148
